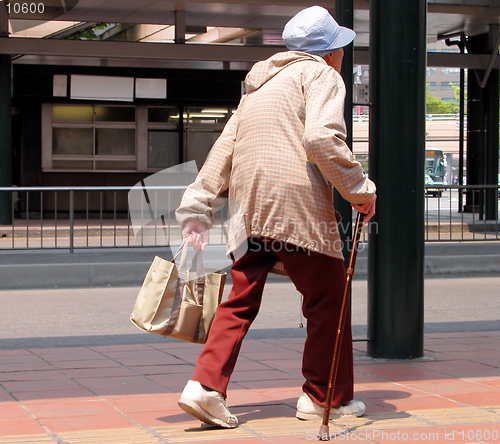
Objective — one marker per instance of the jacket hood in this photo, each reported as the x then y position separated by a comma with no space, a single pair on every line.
265,70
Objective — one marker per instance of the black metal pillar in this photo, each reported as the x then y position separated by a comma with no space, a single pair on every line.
344,15
482,131
492,136
492,146
5,138
461,149
397,147
476,130
461,45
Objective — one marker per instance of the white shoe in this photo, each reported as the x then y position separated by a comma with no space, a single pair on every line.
208,406
307,409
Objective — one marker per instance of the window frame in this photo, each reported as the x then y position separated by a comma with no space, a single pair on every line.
48,157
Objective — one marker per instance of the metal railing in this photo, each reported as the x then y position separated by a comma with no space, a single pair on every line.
428,117
90,217
462,213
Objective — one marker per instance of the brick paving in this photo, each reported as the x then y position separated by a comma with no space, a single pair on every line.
128,394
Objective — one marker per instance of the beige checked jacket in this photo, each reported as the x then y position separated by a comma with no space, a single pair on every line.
279,156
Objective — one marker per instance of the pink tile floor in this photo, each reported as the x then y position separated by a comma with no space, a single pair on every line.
129,393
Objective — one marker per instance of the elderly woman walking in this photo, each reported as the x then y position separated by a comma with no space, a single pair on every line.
277,159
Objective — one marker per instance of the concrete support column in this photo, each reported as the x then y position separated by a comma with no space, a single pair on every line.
397,148
5,138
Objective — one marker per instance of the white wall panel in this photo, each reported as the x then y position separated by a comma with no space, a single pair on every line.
102,88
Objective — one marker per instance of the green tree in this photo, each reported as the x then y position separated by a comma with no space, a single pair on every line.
91,33
438,106
456,91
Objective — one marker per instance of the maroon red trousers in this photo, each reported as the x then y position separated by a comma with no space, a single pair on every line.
320,279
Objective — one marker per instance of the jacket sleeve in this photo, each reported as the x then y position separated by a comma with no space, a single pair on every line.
203,197
324,138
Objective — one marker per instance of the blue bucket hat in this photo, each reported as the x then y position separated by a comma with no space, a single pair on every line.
315,31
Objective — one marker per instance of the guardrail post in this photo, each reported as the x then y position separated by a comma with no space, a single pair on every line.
5,139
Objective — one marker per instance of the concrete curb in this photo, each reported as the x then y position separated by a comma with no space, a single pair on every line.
72,275
37,276
487,264
444,266
101,267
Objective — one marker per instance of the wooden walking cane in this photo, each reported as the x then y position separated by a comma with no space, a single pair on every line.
324,434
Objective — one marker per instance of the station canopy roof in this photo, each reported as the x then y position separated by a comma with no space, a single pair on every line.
214,31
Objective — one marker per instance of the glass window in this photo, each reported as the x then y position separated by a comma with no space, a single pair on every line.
115,142
208,115
115,114
83,135
72,113
446,86
200,143
72,141
163,149
163,115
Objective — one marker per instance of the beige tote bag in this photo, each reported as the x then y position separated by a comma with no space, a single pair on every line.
176,302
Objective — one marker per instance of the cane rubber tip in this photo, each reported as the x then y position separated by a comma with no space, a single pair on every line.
324,433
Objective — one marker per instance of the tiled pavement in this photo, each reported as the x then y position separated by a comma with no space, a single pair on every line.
128,394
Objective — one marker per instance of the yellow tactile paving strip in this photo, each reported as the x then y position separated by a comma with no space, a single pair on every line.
27,439
181,433
135,435
283,426
264,428
381,420
465,415
494,409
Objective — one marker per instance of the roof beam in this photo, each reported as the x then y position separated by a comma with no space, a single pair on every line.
134,50
472,10
440,59
457,60
200,52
